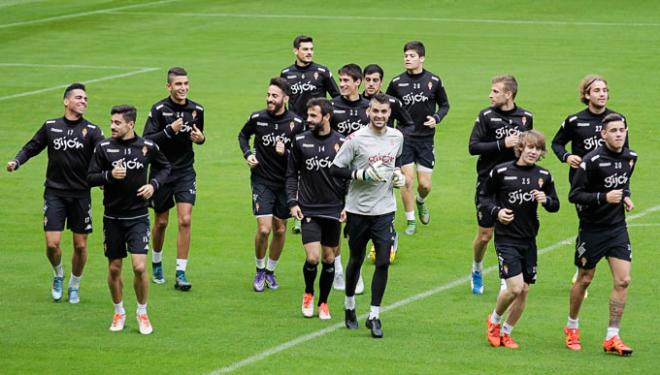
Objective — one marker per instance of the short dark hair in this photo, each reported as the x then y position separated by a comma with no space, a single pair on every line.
282,84
613,117
302,39
323,103
373,68
175,71
73,86
352,70
127,112
416,46
380,98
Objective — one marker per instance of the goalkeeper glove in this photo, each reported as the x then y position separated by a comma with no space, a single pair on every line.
374,172
398,179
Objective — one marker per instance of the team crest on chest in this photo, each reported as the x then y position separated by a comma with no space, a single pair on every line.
292,125
194,114
144,150
541,182
84,132
336,147
430,85
631,163
523,120
316,75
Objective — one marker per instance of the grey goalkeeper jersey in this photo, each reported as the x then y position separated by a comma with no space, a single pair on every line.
362,148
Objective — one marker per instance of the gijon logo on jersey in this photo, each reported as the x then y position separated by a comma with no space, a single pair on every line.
504,132
315,163
64,143
349,126
386,159
412,98
593,142
130,164
616,180
520,197
272,139
299,87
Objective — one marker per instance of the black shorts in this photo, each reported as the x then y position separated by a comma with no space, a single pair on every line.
75,212
123,236
420,152
320,229
180,190
379,229
269,201
592,245
484,218
516,258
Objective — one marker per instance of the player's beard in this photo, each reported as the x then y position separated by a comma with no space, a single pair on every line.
277,107
317,127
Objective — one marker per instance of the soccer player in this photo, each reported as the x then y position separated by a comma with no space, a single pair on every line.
274,129
582,129
175,123
373,80
317,199
307,80
349,114
420,91
370,159
600,190
494,137
120,166
70,140
511,195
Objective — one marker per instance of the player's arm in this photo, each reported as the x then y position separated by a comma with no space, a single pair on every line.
487,194
160,164
99,172
330,85
477,145
155,129
443,103
340,167
292,176
401,114
561,139
244,142
551,200
34,146
579,193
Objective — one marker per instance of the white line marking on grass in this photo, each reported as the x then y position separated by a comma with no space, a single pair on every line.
406,301
82,14
70,66
392,18
101,79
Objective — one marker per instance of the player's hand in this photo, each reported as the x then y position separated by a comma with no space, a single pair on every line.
540,196
430,122
574,161
342,216
296,212
252,161
614,196
628,203
196,135
177,125
511,140
279,147
119,171
11,165
398,179
146,191
505,216
374,172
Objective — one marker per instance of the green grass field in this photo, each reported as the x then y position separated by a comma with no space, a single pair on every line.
123,50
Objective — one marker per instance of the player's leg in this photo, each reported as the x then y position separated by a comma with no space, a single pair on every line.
54,255
161,219
281,213
184,219
311,238
357,227
78,262
330,237
264,226
137,238
425,161
382,235
115,284
621,280
339,282
408,198
479,247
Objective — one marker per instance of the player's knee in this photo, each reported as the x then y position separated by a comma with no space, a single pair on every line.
263,231
279,231
424,186
485,237
161,222
80,249
516,289
52,245
622,283
409,183
313,259
139,269
114,270
329,258
185,221
382,263
585,280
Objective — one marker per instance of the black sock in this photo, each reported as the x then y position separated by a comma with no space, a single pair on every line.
260,269
325,282
309,271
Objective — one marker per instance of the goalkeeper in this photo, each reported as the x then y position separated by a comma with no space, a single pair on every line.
370,159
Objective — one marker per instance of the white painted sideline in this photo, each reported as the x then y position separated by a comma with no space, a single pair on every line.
406,301
82,14
101,79
71,66
393,18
